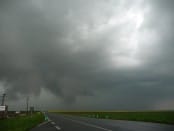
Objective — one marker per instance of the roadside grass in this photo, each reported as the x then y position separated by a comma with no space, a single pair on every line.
166,117
21,123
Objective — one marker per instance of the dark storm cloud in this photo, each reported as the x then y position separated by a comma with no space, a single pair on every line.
79,50
34,52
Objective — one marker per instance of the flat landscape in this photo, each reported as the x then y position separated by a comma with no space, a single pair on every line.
87,65
166,117
64,122
91,121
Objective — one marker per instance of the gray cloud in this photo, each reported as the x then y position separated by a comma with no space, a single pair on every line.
88,53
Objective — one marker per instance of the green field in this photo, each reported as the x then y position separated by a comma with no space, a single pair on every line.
147,116
21,123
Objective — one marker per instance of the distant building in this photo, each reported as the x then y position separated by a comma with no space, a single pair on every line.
3,111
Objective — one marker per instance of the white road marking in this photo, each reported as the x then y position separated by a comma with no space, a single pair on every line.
53,123
87,124
43,123
57,127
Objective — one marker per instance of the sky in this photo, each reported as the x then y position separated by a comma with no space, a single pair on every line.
87,55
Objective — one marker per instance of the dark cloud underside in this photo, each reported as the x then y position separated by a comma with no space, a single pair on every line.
105,53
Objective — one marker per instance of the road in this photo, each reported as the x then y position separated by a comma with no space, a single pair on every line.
75,123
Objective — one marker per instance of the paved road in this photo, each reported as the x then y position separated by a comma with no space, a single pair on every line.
74,123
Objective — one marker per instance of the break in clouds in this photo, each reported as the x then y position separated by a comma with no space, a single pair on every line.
97,54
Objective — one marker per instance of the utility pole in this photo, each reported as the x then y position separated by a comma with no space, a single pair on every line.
27,101
3,99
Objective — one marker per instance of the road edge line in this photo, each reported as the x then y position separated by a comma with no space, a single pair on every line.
88,124
57,127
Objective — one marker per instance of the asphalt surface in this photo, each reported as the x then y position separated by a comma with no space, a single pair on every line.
73,123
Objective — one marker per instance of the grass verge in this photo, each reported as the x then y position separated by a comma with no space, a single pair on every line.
21,123
166,117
